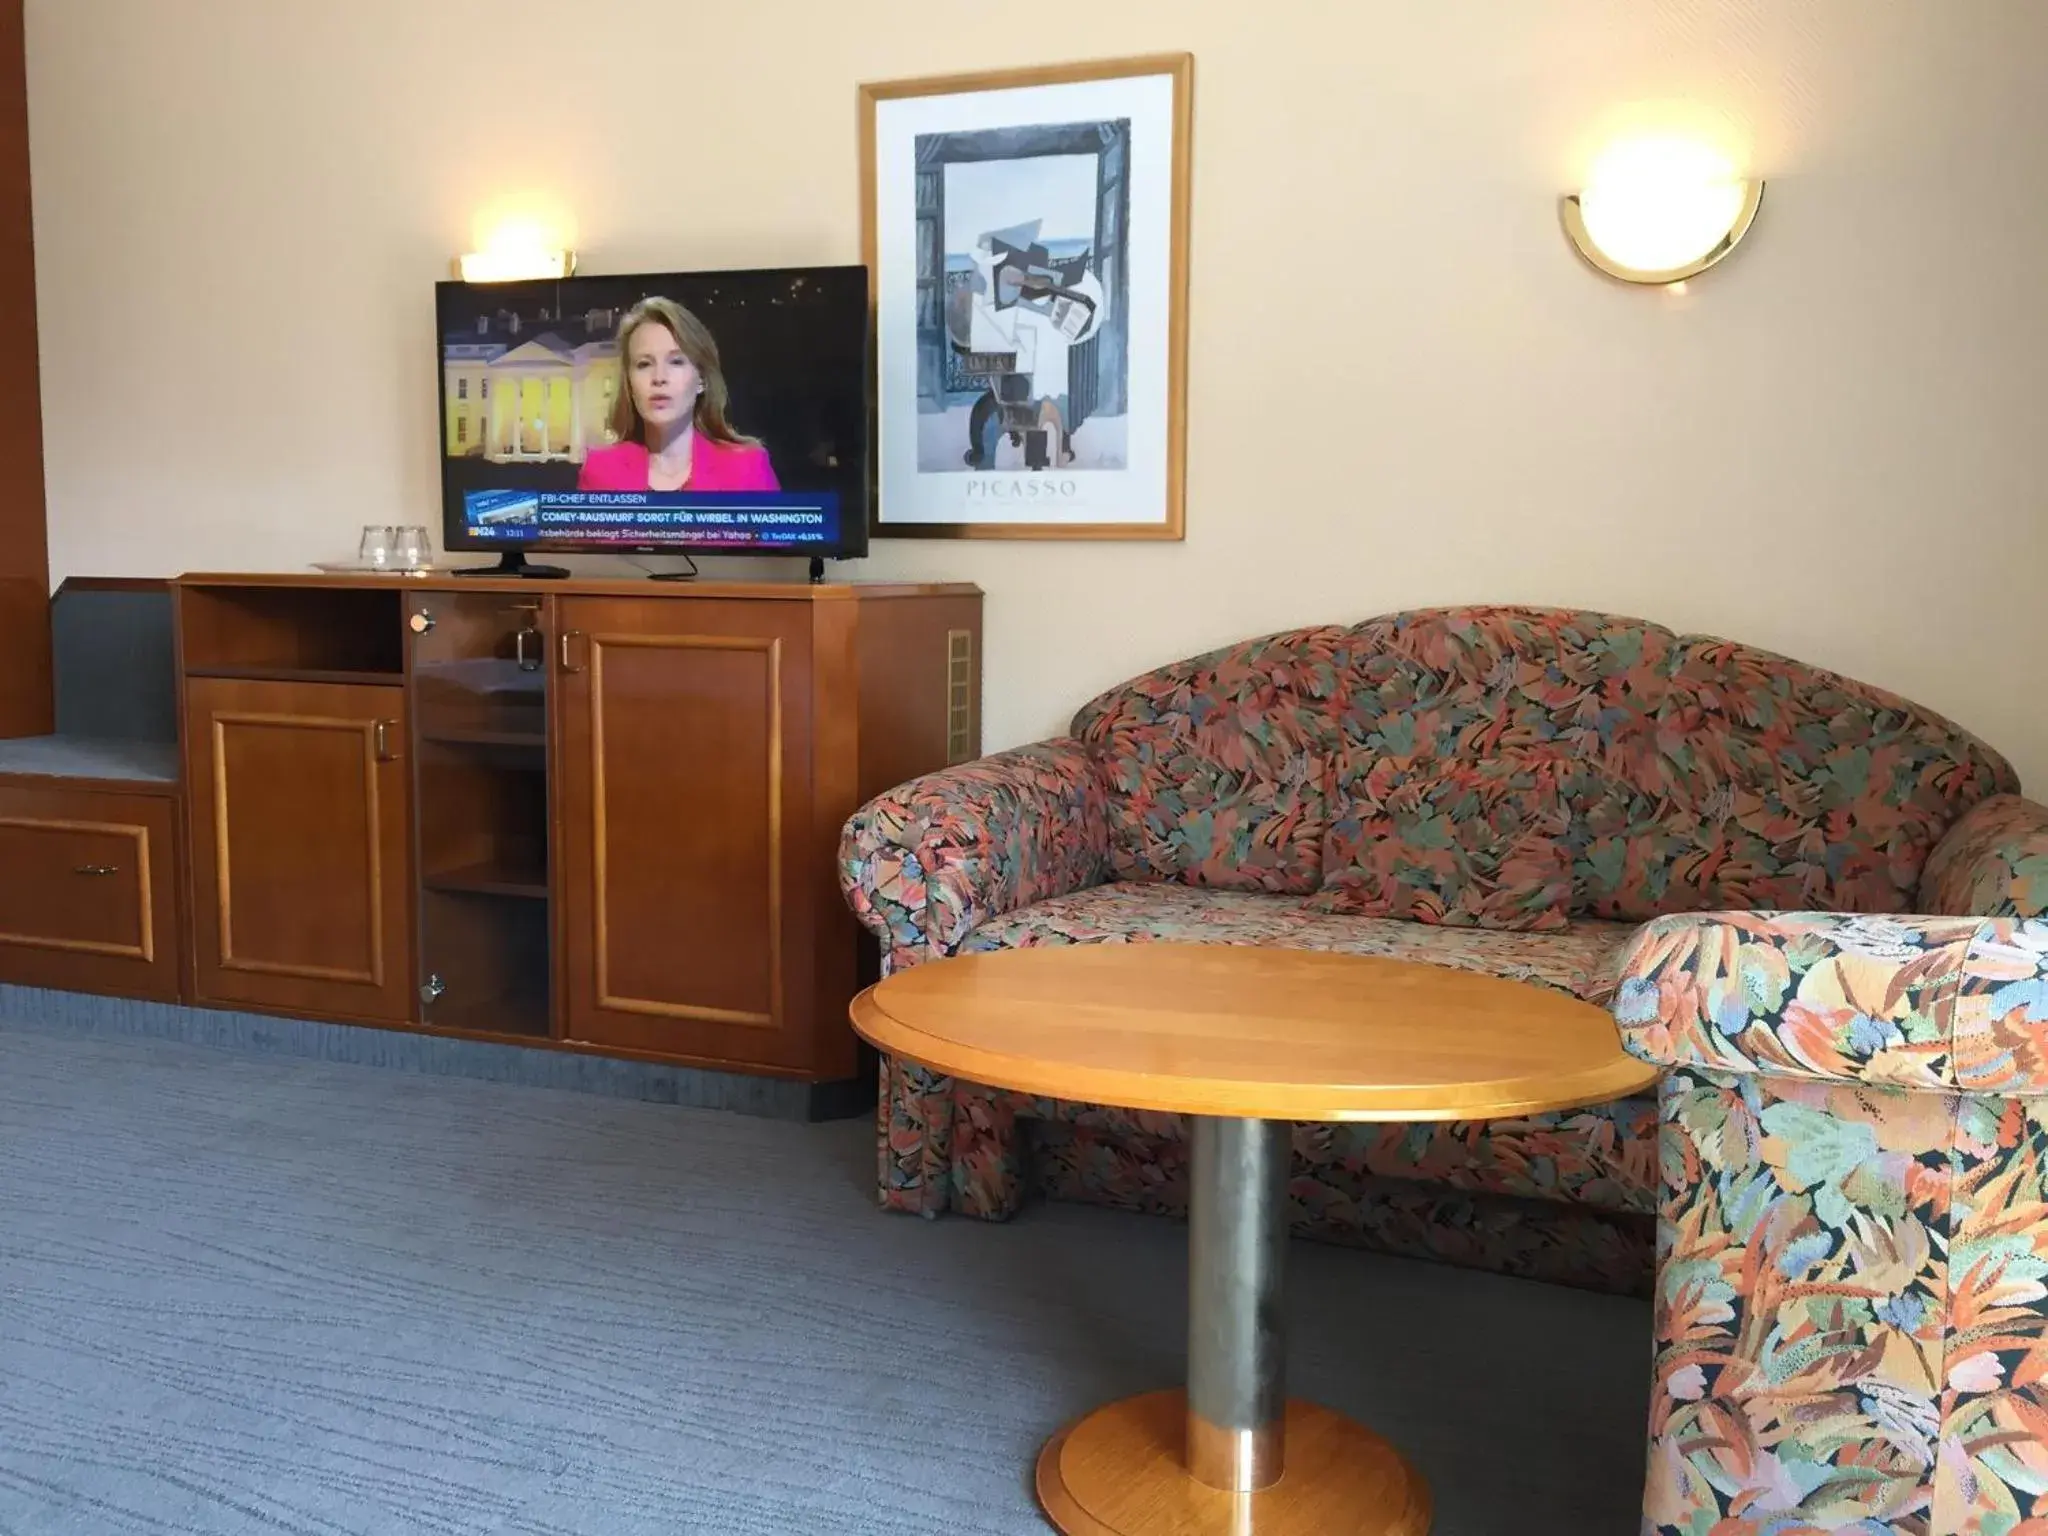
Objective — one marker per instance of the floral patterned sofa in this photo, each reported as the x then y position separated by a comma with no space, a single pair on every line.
1507,790
1852,1322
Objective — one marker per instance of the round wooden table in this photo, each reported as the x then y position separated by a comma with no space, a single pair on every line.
1246,1040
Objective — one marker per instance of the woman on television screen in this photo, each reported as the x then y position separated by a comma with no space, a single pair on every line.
668,426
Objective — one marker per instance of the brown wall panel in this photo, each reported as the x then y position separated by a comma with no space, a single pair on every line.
25,708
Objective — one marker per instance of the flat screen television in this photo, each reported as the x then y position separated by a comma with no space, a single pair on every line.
576,418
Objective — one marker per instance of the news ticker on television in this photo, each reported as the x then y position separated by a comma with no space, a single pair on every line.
782,519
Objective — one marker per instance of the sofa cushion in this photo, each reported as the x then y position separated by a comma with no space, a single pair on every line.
1582,959
1472,845
1697,773
1993,863
1637,853
1577,1234
1604,1155
1216,767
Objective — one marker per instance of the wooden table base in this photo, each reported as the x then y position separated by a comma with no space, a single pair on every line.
1120,1472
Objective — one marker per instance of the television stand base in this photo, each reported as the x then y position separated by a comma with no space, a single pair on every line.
689,575
817,569
513,563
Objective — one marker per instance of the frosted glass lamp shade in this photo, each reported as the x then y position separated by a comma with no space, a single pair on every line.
1660,211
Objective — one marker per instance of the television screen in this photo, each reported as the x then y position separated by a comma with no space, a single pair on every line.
679,413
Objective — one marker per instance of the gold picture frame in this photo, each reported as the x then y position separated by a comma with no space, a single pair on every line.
924,371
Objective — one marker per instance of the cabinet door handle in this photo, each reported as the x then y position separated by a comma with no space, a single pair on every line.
527,661
380,735
567,636
97,869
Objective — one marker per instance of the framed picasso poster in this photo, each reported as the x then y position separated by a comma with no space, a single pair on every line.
1026,236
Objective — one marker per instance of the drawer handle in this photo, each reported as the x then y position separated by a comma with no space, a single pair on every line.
97,869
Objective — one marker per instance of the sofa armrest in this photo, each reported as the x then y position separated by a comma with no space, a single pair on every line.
1956,1004
925,864
1993,862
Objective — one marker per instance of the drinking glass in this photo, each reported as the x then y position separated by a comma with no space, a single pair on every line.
376,547
410,550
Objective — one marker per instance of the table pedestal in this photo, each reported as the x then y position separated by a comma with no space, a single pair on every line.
1231,1454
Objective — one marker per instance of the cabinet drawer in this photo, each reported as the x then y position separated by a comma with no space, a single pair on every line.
88,891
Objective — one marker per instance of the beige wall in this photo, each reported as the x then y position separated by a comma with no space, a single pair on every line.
1405,388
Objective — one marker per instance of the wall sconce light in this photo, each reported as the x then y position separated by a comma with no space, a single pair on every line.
513,264
1659,211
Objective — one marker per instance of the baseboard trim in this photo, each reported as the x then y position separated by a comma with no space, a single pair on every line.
79,1013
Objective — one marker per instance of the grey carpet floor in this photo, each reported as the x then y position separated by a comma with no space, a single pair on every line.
243,1295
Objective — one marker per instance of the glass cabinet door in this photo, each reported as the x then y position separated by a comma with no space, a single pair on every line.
480,804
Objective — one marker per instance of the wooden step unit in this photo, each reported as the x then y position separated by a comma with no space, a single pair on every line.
90,825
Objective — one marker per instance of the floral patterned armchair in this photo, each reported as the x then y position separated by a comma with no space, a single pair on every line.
1242,797
1852,1278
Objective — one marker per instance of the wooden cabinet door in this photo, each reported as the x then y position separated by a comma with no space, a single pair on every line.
298,802
684,786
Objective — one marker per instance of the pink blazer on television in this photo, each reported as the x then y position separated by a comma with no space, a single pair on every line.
714,466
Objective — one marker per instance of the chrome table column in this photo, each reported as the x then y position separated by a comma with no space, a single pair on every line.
1237,1328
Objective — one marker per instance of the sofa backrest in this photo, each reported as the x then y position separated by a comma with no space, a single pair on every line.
1698,773
1218,766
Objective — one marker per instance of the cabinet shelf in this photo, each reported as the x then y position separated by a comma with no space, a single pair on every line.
461,738
509,1019
484,676
300,675
525,883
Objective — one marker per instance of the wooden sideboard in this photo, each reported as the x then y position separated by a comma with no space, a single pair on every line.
597,815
